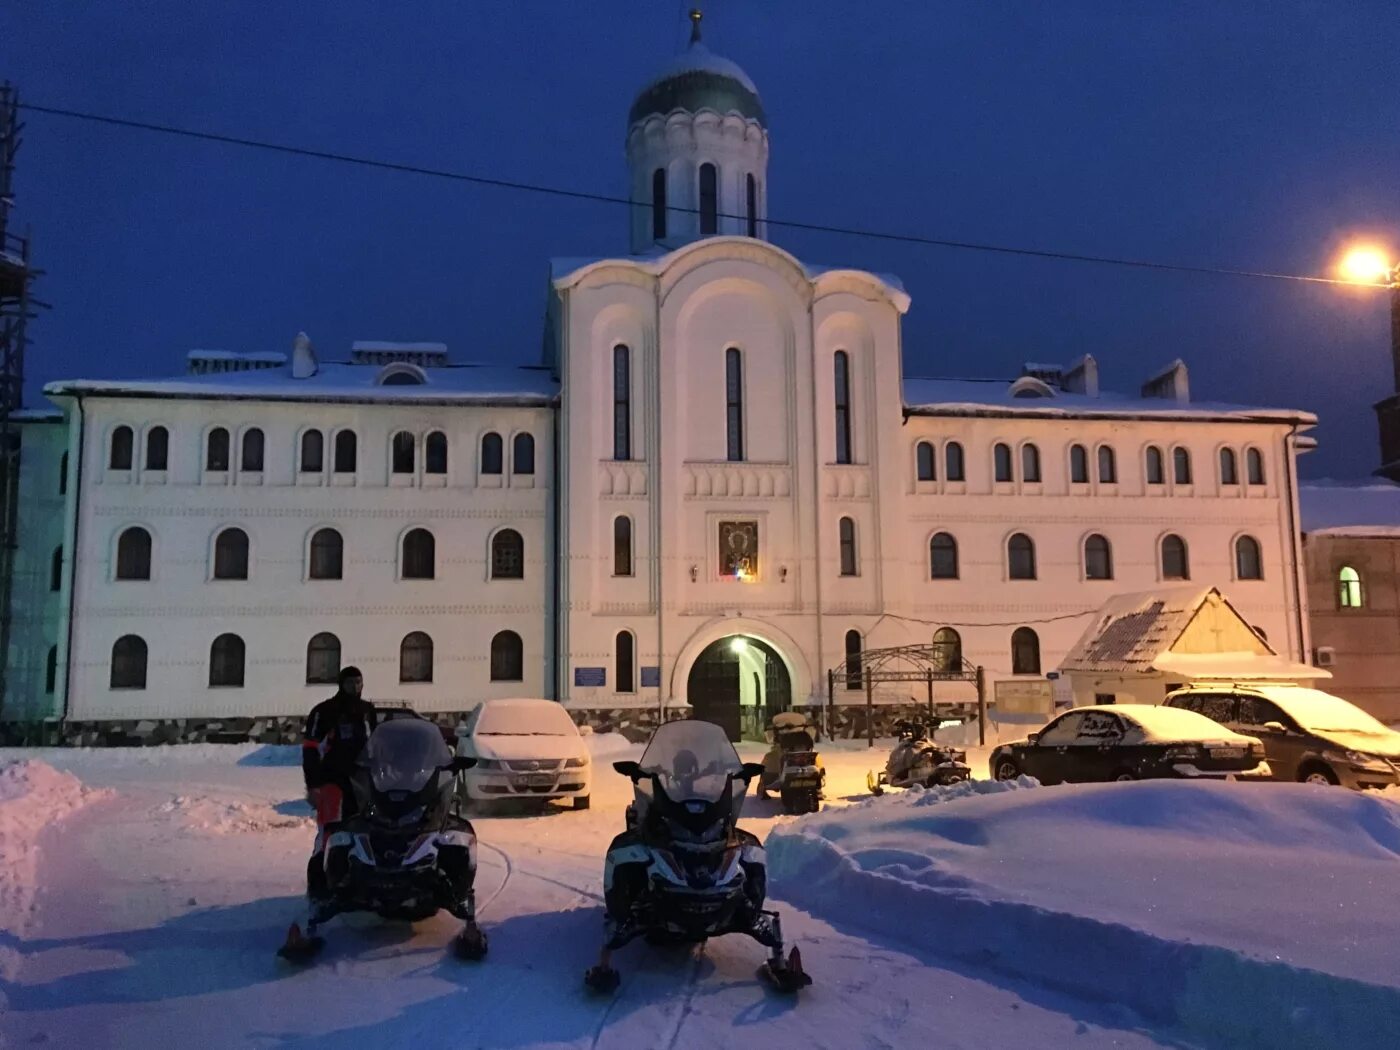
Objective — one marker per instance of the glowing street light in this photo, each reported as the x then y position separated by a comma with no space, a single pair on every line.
738,645
1368,264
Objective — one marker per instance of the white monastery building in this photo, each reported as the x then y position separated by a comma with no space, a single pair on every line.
718,487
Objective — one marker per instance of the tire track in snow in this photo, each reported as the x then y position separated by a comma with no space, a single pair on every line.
510,870
692,986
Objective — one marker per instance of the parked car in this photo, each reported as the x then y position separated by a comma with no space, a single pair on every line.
524,749
1309,736
1130,742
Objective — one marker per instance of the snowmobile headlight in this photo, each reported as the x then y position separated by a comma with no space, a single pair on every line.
576,763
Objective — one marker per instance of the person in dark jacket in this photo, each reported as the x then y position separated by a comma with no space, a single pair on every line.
336,733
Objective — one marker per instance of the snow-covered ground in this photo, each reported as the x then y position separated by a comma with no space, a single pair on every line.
171,879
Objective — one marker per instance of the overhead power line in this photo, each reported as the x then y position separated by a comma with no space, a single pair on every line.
604,198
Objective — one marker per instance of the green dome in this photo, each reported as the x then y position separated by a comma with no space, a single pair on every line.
695,80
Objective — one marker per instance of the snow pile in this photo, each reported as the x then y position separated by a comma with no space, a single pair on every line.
609,747
221,816
33,795
1248,915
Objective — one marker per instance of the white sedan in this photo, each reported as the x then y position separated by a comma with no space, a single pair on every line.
524,749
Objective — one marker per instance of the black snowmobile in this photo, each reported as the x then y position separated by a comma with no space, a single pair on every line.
683,871
408,852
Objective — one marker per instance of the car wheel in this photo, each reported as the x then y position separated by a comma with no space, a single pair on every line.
1006,769
581,801
1318,774
1124,775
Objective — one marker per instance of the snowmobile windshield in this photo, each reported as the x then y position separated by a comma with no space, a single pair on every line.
404,753
692,760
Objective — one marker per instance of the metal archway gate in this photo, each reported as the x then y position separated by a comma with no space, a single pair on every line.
715,687
906,664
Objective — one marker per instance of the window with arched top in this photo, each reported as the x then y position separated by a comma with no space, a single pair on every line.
120,454
1181,465
1350,594
251,450
625,662
1020,557
1025,651
134,554
943,557
734,404
492,453
313,452
1001,462
402,374
327,555
842,366
128,670
51,671
435,453
622,402
1108,466
855,674
157,448
416,658
751,204
947,651
1030,463
346,452
658,204
216,450
1155,467
1175,563
507,556
1098,558
322,659
1249,559
1229,470
56,570
1078,465
522,458
226,660
419,555
847,533
231,555
507,658
924,461
1254,466
953,468
402,449
622,545
709,198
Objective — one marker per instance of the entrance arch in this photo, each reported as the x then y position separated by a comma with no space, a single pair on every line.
738,682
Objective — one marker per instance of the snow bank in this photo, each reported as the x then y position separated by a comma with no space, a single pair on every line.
222,816
1244,915
160,755
609,747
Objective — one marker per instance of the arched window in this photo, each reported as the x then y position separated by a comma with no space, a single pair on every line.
1108,466
1020,557
1078,465
327,555
134,554
231,555
947,651
953,462
1175,565
313,452
1156,470
855,676
751,200
1025,651
51,671
345,452
56,569
401,453
734,404
1098,558
252,457
658,204
1254,466
322,659
943,557
226,657
435,453
419,555
622,402
847,529
128,663
522,459
709,199
1181,465
1249,561
924,462
157,448
1229,472
120,456
1350,595
416,658
626,663
507,658
63,474
1001,462
843,406
507,556
216,452
1030,463
622,545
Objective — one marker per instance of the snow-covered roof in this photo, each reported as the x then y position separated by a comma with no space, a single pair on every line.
1131,630
262,356
995,397
36,415
1369,507
1164,724
1240,665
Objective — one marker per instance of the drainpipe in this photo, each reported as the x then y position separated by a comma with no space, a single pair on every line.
816,482
1290,467
656,508
73,560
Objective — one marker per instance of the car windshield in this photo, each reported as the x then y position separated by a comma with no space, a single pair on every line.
691,760
529,718
1324,713
404,753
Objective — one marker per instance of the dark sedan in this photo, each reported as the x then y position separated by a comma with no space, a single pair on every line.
1130,742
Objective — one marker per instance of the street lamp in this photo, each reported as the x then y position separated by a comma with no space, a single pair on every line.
1372,266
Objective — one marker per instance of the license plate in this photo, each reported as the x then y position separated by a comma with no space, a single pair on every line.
801,782
535,780
1227,752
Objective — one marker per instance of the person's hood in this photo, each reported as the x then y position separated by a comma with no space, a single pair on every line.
513,748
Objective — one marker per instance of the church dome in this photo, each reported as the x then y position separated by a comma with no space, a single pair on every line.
699,79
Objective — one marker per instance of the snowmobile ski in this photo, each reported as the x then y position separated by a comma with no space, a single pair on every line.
602,980
786,976
298,948
470,944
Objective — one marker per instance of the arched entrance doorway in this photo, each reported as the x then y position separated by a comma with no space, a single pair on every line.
738,682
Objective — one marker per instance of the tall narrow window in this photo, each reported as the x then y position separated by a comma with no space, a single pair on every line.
622,546
51,670
1254,466
522,459
231,555
216,453
1108,466
626,663
855,675
507,556
419,555
1078,465
1181,465
1249,560
345,452
120,456
1175,565
435,453
622,402
1020,556
416,658
1098,558
63,474
157,448
327,555
848,547
924,460
947,651
709,199
658,204
56,570
843,407
1229,473
1001,462
128,663
401,453
943,557
953,462
226,660
751,200
734,403
1025,651
507,658
1030,463
251,458
322,659
134,554
1156,473
313,452
1350,595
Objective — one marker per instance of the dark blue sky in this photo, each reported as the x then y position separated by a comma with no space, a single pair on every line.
1239,134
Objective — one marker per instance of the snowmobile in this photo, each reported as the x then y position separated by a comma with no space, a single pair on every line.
916,759
683,871
792,768
407,852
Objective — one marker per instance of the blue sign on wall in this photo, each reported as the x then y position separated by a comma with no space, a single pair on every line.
651,677
590,676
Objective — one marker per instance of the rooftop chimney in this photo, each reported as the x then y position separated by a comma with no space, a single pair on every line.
303,357
1170,383
1082,377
